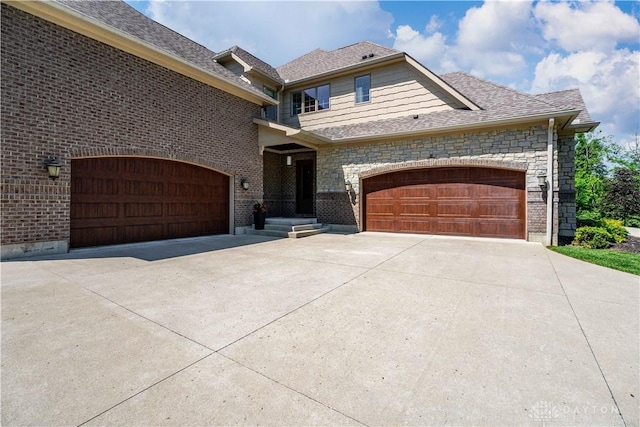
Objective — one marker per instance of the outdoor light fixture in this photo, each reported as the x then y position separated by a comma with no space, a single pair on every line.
53,166
348,186
542,181
244,183
288,160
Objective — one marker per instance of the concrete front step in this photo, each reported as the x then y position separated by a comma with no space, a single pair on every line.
309,232
290,221
306,227
289,227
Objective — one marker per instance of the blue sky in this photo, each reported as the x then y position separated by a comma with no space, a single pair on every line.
532,46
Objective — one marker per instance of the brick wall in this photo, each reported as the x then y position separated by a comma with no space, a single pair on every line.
273,165
524,147
67,95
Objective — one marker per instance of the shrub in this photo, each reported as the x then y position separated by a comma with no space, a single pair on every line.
593,238
589,219
616,229
632,221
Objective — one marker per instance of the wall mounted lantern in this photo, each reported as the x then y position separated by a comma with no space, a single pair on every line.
288,160
542,182
348,186
53,167
244,183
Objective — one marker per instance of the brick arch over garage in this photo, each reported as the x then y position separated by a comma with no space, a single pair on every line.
476,198
150,153
123,199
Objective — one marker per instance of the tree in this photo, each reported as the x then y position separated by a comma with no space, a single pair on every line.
591,155
621,197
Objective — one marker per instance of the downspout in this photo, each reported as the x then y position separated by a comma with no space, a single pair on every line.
550,181
280,103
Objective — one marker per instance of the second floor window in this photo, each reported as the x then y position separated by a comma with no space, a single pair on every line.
270,112
309,100
363,87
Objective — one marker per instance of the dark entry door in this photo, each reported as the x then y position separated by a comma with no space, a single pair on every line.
304,187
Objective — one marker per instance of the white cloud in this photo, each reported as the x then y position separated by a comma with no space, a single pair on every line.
432,51
586,25
434,24
275,32
493,39
609,83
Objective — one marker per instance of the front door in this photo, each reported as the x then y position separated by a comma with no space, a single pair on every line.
304,187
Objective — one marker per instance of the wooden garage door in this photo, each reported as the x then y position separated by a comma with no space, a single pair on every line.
461,201
128,199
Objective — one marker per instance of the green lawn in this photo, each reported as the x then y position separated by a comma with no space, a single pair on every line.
622,261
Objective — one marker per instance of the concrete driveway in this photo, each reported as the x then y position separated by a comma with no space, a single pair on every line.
371,329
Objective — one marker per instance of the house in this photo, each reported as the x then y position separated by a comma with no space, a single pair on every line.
155,136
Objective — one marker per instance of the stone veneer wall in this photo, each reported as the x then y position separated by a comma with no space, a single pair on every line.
525,147
566,188
66,95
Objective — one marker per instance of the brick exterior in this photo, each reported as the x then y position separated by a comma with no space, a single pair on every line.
523,148
69,96
280,182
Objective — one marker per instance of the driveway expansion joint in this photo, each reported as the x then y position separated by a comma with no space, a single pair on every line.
595,358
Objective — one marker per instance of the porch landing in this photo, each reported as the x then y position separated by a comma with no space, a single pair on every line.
289,227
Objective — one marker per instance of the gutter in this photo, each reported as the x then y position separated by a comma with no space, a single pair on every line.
92,28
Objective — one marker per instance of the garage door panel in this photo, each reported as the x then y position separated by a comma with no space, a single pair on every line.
499,228
499,210
465,201
453,191
94,210
381,207
458,209
382,224
145,199
416,225
415,208
495,192
454,227
132,210
415,192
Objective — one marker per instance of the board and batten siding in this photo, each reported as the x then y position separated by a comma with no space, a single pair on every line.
396,90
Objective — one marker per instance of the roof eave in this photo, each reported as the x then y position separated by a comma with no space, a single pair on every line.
583,127
453,128
87,26
306,138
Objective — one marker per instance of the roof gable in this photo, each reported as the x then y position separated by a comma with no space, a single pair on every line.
319,61
570,98
251,61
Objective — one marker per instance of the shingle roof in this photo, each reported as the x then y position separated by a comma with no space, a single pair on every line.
321,61
498,103
253,61
570,98
121,16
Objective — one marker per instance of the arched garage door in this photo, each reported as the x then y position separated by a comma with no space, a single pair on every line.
130,199
461,201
